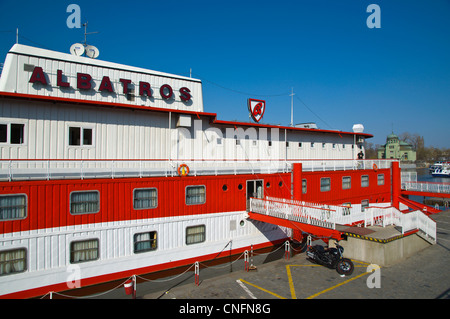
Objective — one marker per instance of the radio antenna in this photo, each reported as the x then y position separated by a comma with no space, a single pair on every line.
86,33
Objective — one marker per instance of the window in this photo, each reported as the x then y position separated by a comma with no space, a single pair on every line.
365,181
82,251
13,207
79,136
145,242
145,198
346,210
364,204
3,133
195,195
380,179
195,234
12,133
84,202
304,186
325,184
346,182
13,261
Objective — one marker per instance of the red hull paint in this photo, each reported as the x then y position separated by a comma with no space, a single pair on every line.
32,293
48,201
374,193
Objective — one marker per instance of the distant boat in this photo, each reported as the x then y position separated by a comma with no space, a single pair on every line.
443,171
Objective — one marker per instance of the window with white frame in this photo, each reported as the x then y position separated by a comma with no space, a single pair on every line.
84,250
13,261
80,136
13,207
346,182
12,133
195,234
145,198
195,195
325,184
144,242
84,202
364,204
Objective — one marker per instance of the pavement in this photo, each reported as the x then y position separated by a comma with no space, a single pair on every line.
274,277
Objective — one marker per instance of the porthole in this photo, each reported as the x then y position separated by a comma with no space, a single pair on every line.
267,184
280,184
240,187
224,187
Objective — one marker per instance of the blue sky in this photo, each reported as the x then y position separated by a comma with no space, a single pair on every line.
394,77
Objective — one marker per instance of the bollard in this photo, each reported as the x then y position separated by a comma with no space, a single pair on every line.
287,250
246,262
197,273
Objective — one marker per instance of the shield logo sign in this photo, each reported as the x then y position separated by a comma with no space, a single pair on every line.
256,109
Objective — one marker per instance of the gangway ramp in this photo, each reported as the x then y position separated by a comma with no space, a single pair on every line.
334,221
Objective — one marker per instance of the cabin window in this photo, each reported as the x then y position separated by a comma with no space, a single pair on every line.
12,133
84,202
364,204
145,198
195,234
325,184
346,182
13,207
365,181
195,195
144,242
304,186
82,251
79,136
380,179
13,261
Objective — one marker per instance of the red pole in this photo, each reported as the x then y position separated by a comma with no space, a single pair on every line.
297,171
396,184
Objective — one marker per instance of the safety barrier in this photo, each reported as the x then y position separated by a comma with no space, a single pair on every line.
47,169
328,216
130,284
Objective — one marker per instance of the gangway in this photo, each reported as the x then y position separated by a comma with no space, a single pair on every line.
331,221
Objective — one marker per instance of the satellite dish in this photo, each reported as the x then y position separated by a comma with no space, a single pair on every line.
92,51
77,49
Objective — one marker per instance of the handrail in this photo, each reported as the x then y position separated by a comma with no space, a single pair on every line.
46,169
310,213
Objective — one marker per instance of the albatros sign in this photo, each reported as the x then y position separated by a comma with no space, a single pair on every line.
84,81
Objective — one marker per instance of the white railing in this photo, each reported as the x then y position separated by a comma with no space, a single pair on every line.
430,187
328,216
83,169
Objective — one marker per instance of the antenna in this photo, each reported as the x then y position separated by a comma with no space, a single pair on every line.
92,51
86,33
79,49
292,107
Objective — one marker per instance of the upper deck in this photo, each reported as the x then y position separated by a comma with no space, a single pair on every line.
34,71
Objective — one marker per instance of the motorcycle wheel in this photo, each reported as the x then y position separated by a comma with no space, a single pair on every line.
345,267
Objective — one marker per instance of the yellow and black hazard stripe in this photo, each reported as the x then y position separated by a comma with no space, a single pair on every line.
382,241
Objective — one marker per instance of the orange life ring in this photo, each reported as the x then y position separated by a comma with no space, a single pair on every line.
183,170
375,167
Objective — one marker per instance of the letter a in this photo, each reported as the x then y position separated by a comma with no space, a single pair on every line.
374,20
73,20
374,280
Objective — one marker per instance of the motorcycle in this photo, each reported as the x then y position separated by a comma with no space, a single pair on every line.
331,257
